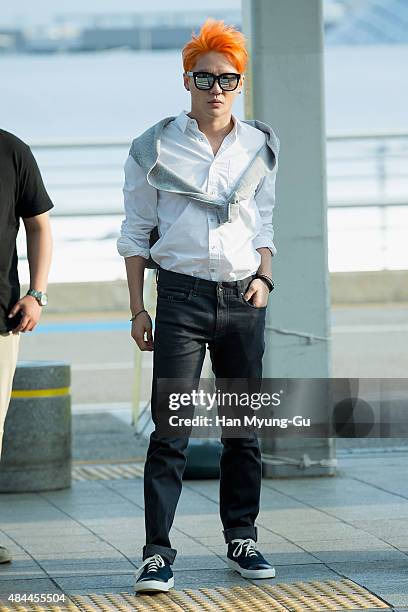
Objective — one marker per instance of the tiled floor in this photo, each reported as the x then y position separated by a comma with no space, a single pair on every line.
88,539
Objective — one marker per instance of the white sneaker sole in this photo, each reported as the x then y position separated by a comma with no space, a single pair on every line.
261,573
154,585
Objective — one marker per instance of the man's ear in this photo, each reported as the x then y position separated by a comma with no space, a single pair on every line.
186,83
241,83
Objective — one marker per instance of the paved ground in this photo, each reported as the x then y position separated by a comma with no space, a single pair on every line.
88,539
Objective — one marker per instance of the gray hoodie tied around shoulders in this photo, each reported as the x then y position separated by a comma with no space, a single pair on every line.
145,151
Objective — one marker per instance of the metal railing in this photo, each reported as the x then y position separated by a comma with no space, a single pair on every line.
363,170
383,158
374,160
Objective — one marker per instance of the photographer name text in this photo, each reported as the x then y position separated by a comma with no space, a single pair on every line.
245,421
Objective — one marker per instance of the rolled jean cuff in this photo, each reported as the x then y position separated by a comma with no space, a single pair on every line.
240,532
169,554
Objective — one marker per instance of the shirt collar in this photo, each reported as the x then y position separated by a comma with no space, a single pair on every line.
183,121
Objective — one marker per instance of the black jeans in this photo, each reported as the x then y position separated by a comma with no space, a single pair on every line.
192,313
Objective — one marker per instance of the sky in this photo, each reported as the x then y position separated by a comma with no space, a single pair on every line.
26,13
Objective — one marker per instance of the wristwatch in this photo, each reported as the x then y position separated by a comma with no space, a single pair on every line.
41,297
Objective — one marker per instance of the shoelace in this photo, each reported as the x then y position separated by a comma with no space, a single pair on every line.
153,563
247,545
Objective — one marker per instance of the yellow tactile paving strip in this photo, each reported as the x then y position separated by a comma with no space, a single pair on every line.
108,471
297,597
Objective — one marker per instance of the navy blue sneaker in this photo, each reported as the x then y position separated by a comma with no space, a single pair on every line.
154,575
243,557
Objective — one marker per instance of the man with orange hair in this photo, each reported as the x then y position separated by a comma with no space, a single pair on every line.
206,181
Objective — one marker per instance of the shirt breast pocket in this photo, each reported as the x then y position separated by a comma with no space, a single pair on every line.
237,167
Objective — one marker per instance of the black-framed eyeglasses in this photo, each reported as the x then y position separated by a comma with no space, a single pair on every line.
228,81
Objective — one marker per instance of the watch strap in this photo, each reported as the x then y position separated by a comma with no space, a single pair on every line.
38,295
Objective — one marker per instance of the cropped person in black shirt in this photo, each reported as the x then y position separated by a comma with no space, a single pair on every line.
22,196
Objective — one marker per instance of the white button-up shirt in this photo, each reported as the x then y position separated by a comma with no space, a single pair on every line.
191,240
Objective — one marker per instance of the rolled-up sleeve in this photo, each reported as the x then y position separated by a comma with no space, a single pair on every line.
265,201
140,202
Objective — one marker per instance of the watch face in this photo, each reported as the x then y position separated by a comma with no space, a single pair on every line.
43,299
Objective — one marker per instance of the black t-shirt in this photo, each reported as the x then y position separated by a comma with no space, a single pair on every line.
22,194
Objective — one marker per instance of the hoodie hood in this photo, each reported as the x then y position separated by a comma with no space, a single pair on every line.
145,151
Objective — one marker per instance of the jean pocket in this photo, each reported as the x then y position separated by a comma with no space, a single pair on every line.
247,303
173,294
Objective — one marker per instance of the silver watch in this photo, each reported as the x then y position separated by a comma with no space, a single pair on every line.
41,297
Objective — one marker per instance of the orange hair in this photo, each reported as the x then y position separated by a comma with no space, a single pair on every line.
216,36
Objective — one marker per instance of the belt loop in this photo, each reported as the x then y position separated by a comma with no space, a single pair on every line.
238,287
243,284
196,285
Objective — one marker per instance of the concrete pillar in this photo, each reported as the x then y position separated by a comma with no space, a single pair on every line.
284,88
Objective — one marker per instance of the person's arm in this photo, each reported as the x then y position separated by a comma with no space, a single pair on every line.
265,267
39,251
32,205
135,267
140,201
265,202
142,329
263,242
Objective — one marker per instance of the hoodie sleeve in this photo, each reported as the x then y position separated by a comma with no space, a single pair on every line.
265,201
140,202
